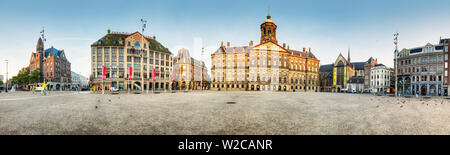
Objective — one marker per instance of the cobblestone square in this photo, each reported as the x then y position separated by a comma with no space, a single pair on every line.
210,113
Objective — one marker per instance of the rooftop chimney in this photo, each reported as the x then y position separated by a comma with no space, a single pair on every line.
221,44
304,49
228,44
284,45
251,43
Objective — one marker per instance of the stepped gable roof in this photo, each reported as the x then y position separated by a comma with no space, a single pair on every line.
118,39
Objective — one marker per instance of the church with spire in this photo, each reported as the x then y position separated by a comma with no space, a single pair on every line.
267,66
338,76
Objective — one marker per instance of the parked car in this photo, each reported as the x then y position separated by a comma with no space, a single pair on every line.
114,90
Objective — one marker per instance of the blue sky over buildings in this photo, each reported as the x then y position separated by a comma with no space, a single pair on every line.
326,26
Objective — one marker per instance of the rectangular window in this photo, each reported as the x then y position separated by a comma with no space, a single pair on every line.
446,49
106,50
120,58
432,68
99,59
93,50
424,60
113,58
113,51
446,57
137,66
120,65
120,50
106,58
99,51
432,59
424,69
151,54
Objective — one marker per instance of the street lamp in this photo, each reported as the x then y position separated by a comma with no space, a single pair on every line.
201,70
396,61
144,25
6,81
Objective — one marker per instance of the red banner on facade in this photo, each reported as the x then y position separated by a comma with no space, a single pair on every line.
103,73
154,74
130,73
171,80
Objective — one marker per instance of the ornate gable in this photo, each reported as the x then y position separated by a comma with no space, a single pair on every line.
137,37
339,59
269,46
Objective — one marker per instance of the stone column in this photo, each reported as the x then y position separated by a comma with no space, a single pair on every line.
420,89
437,89
428,89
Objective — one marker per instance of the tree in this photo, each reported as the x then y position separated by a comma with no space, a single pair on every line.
21,78
1,82
35,76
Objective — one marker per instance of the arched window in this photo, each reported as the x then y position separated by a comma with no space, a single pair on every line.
137,45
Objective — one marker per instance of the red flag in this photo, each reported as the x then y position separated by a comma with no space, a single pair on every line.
172,77
154,74
130,73
103,73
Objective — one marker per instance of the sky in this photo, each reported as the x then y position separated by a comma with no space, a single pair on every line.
328,27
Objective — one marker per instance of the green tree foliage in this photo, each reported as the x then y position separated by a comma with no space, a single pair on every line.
35,76
21,78
26,77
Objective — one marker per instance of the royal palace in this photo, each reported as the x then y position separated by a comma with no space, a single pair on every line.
266,66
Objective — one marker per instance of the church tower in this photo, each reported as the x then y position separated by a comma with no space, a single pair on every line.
268,30
348,55
40,54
